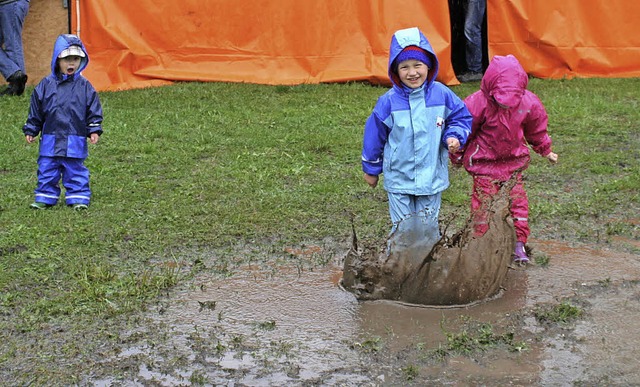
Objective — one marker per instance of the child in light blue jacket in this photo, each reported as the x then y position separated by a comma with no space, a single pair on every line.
408,135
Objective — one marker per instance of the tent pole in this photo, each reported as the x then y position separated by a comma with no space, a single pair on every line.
78,17
68,6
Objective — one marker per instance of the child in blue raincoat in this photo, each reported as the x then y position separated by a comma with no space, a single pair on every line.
65,111
408,135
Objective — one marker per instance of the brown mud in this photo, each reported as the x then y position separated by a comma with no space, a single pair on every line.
457,270
295,326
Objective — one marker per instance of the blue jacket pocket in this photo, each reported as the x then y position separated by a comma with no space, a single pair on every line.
77,147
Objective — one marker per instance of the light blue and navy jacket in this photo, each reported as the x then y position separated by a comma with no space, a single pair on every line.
405,135
65,109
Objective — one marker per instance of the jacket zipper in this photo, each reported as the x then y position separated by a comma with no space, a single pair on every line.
473,154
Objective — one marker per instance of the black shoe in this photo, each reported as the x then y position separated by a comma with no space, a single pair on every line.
17,83
470,77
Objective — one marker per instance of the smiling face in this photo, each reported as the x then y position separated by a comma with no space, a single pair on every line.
413,73
69,64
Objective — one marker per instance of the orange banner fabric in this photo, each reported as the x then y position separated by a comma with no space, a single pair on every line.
148,42
568,38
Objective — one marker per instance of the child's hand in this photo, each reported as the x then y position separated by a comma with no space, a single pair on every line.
371,180
552,157
453,144
30,139
94,137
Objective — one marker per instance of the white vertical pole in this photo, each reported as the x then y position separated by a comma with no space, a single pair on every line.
78,17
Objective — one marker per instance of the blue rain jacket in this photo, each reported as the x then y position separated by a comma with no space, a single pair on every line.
405,135
64,109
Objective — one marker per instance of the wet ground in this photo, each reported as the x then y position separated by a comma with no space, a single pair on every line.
296,326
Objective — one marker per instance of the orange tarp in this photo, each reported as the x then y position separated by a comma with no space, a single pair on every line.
568,38
150,42
144,42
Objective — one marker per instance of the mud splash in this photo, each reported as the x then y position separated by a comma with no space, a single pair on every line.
457,270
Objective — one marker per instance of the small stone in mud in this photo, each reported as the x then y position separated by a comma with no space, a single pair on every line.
210,305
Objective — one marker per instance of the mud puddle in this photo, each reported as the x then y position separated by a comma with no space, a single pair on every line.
604,346
286,326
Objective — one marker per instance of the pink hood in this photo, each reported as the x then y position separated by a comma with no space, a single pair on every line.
500,136
505,80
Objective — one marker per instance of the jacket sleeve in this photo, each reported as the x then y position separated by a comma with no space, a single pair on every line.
535,128
94,111
35,119
476,103
376,133
458,122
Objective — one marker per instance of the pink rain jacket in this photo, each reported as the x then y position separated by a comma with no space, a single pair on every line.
498,144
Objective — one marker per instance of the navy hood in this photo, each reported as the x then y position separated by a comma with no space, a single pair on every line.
410,37
63,42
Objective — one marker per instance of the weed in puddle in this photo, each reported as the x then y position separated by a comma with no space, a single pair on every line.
373,344
267,325
410,372
541,259
562,313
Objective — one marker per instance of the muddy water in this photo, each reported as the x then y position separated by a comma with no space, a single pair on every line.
285,326
605,344
276,316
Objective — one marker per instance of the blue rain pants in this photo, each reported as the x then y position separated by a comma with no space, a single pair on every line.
75,179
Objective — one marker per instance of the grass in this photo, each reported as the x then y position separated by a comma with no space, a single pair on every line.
476,337
202,166
370,344
562,313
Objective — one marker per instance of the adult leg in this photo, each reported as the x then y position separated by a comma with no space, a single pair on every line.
473,34
7,65
75,178
12,65
48,189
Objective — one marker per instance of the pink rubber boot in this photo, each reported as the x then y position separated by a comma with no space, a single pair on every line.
520,256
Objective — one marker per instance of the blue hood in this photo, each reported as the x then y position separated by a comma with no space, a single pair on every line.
63,42
410,37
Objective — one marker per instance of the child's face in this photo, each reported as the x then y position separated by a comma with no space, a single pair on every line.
413,73
69,64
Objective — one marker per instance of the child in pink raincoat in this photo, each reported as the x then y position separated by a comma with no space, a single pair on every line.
507,118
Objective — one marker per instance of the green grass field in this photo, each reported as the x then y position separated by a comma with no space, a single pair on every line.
198,166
